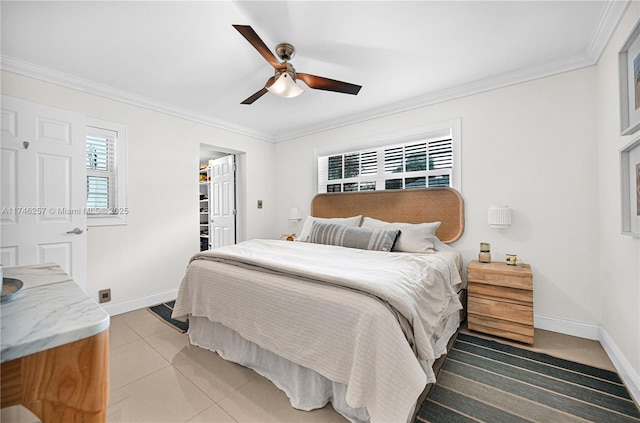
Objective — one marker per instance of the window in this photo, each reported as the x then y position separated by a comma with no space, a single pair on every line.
100,170
106,173
427,157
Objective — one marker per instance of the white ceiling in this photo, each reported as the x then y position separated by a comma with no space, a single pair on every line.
185,58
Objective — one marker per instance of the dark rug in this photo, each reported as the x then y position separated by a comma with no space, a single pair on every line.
163,311
486,381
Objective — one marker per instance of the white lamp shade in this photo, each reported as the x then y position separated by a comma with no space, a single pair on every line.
499,217
295,213
285,86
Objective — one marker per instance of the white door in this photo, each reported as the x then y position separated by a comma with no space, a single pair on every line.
43,187
222,210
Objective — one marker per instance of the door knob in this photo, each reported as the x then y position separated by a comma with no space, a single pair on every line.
76,231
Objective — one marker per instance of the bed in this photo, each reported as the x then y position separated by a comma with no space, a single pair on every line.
361,329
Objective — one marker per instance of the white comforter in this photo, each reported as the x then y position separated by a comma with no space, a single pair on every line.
306,304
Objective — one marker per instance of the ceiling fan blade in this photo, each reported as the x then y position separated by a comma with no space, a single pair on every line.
255,40
260,93
255,96
321,83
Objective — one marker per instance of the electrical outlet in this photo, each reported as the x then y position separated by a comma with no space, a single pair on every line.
104,295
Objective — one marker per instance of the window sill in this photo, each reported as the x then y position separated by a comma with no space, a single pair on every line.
109,220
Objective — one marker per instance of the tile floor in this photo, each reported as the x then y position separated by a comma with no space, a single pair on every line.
156,376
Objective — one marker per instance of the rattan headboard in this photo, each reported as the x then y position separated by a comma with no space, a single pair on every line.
409,205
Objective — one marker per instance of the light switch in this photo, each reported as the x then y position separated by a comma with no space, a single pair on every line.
259,204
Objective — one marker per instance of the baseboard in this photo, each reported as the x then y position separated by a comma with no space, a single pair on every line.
138,303
567,327
622,365
596,333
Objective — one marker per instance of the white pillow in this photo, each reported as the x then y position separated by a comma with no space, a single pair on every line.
414,237
346,221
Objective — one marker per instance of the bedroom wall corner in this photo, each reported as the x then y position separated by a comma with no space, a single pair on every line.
619,255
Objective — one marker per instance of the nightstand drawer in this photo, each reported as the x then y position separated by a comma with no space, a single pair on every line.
502,328
501,274
521,282
518,296
500,309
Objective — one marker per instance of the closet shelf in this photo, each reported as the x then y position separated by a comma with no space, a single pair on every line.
204,206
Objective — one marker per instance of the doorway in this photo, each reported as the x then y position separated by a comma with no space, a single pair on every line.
218,200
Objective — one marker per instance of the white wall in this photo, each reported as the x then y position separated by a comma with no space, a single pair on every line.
144,261
532,146
619,257
549,148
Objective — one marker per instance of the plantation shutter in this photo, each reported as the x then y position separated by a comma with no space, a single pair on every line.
100,145
417,164
416,157
440,159
393,160
369,163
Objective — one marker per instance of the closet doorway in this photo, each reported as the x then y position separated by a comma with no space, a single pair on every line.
218,198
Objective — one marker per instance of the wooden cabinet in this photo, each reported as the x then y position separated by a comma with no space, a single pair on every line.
500,300
54,348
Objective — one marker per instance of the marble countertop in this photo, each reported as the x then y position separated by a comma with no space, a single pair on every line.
50,310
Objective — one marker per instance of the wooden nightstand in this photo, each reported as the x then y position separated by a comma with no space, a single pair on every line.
500,300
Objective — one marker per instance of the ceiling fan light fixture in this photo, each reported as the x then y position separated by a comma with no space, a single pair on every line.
283,82
285,86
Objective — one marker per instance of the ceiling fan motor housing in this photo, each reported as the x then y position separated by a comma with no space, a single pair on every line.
289,69
285,51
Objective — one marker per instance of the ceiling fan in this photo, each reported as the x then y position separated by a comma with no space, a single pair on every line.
283,83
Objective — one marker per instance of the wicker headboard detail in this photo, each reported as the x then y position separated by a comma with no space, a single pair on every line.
409,205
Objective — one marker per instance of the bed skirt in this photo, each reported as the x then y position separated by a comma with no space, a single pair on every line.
306,389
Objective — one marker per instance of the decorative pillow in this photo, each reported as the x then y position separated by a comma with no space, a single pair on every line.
414,237
353,237
346,221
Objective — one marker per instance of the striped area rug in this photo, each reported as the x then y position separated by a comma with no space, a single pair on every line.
485,381
163,312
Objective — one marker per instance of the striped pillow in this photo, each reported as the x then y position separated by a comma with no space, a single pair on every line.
415,237
353,237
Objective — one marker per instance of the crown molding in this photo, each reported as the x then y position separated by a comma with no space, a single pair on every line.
13,65
612,13
465,90
20,67
610,16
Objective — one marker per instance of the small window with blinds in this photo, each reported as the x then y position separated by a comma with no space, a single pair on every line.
426,161
100,173
106,184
